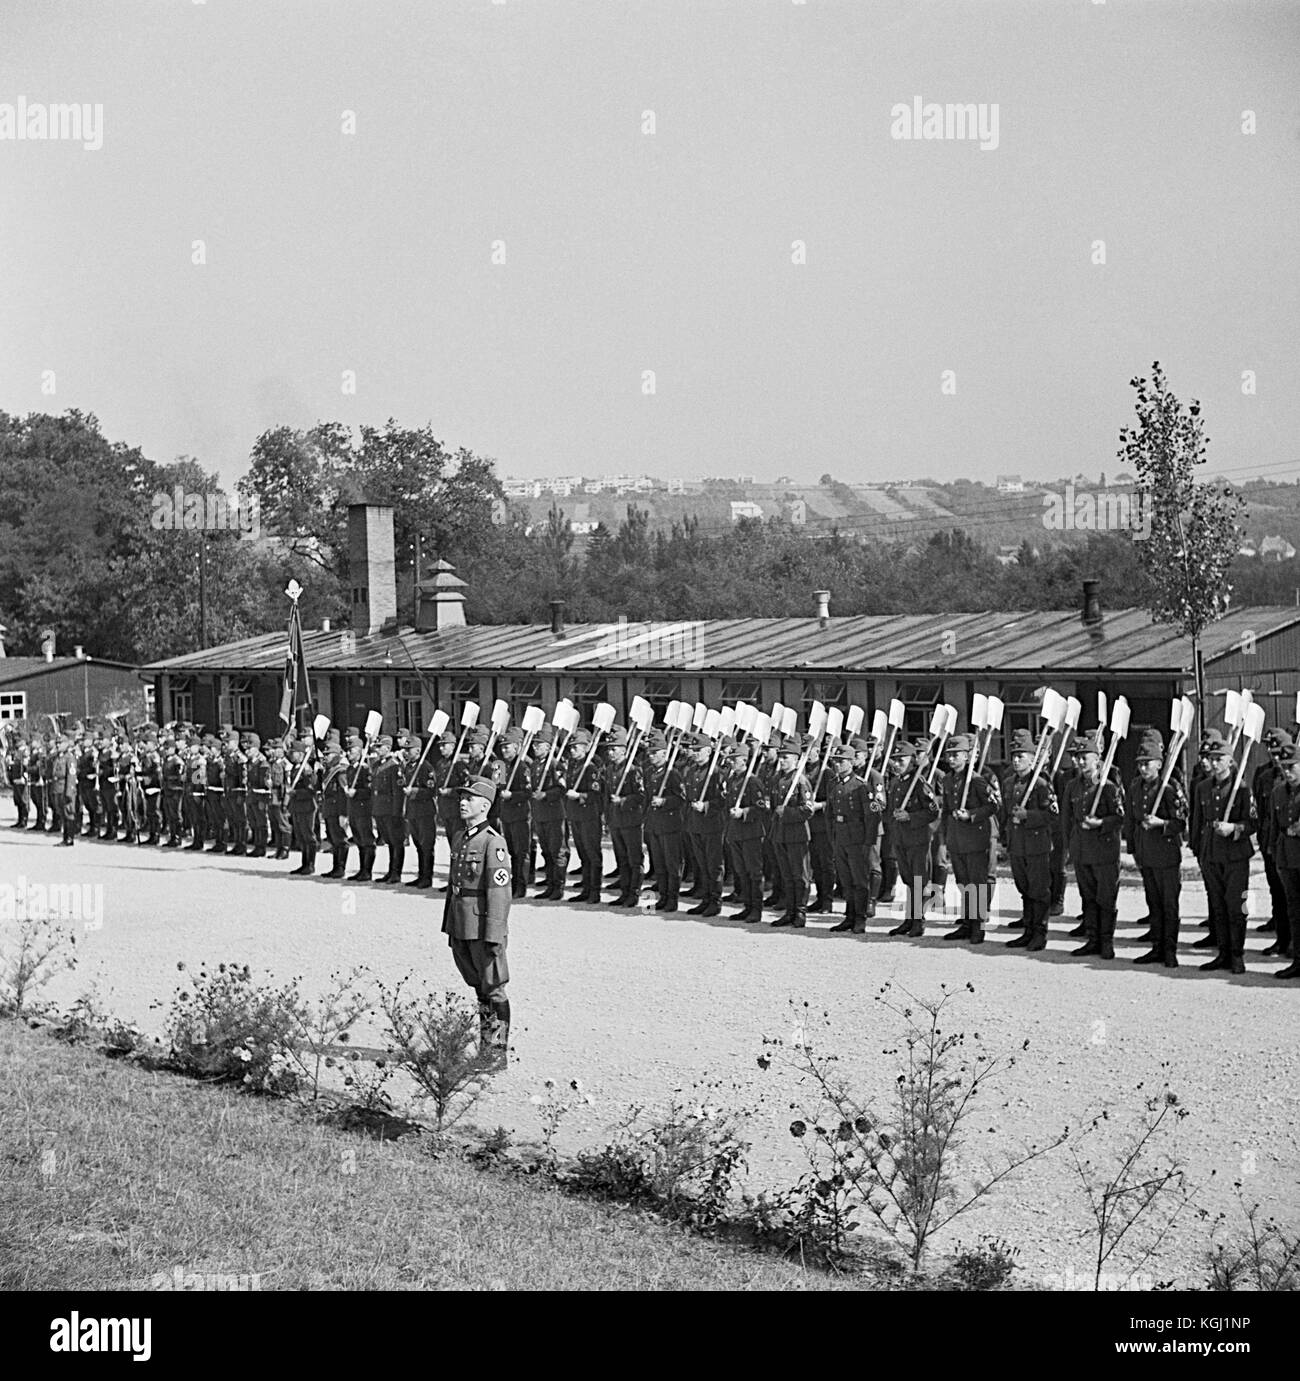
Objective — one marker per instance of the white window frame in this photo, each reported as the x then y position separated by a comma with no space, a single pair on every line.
11,700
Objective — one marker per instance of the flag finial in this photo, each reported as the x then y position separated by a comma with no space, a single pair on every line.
294,591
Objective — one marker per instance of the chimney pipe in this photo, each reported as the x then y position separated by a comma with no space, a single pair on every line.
79,653
823,608
557,618
324,625
1091,602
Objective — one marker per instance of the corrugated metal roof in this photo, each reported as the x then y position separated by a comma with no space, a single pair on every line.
1006,642
24,668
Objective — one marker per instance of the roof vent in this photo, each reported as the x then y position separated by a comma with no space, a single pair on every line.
823,608
440,603
1091,602
557,618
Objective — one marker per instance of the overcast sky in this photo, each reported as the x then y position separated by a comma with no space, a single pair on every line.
625,251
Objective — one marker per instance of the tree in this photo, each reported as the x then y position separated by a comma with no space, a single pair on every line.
1195,528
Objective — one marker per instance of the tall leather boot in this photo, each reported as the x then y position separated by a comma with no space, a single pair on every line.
486,1026
1038,925
1156,954
1092,928
1022,940
340,866
1106,933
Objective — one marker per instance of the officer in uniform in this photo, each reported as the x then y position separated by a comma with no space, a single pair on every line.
792,808
1265,777
257,809
1026,826
304,784
173,790
421,808
215,803
1226,852
912,839
750,817
387,804
514,804
663,821
1288,838
88,786
856,806
1094,838
1196,834
358,789
704,819
548,819
1285,915
1155,841
65,788
278,780
450,773
37,786
582,813
16,770
149,792
476,915
968,813
821,857
196,792
334,805
128,783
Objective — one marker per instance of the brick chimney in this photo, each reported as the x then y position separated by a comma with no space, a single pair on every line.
440,602
372,559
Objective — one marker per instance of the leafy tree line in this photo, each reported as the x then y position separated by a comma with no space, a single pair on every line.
81,552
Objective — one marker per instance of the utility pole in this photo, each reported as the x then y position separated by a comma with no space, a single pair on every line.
203,591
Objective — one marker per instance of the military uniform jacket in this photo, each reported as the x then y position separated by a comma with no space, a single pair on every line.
667,818
151,773
387,783
819,822
922,808
1287,798
713,818
983,801
550,809
65,774
1212,802
1261,788
234,776
86,767
361,780
333,800
302,797
16,768
1162,846
1031,836
1099,846
214,771
478,891
854,807
1277,806
173,774
277,778
571,776
755,805
790,826
517,809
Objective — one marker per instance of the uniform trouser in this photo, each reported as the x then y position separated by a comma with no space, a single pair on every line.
152,813
555,857
70,812
796,875
771,869
236,818
518,837
281,826
1225,890
127,805
939,862
259,815
21,804
706,863
1099,888
337,837
666,861
39,806
88,801
1290,879
913,859
1057,867
1277,892
424,835
1162,886
108,807
304,833
586,840
391,830
747,857
821,859
888,869
858,869
482,964
194,815
1032,874
971,871
171,814
216,808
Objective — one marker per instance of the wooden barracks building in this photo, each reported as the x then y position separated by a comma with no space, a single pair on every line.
922,659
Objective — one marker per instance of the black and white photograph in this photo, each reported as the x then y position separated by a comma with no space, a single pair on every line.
654,648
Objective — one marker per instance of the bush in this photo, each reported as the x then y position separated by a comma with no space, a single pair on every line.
684,1159
225,1027
434,1039
31,954
1265,1256
86,1021
988,1265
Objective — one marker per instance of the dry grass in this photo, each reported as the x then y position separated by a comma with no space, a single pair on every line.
111,1175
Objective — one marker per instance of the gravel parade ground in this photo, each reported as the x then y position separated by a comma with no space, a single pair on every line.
637,1004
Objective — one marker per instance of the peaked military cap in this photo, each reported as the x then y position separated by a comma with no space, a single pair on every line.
1213,744
961,743
480,786
1022,741
1151,747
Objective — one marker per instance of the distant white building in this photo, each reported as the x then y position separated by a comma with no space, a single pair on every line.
1278,548
742,508
521,489
1010,484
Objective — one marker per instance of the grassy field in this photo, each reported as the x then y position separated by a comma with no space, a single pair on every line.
111,1176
